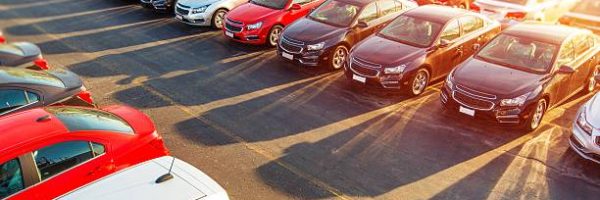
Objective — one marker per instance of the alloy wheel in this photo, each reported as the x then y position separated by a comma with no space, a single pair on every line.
274,36
338,58
420,82
218,19
592,81
538,114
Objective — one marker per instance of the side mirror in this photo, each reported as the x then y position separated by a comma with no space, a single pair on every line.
597,78
296,7
566,70
362,24
444,43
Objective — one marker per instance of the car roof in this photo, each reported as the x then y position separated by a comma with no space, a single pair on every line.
549,33
20,127
436,13
13,75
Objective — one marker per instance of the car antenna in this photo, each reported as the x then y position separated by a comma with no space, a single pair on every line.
167,176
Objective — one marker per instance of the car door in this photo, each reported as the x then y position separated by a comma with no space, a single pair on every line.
559,86
584,58
444,58
472,36
13,99
368,15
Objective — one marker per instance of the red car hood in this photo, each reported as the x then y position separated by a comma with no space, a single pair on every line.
495,79
386,52
251,13
140,122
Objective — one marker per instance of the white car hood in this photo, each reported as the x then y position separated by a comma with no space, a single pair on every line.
197,3
138,182
593,111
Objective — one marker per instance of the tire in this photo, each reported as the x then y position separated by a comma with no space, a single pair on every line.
273,37
419,82
338,57
537,114
218,18
591,82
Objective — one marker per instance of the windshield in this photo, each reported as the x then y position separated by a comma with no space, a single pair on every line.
412,31
520,2
335,13
590,7
77,119
17,75
274,4
519,53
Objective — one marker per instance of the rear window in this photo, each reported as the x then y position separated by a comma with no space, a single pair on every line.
79,119
18,75
11,49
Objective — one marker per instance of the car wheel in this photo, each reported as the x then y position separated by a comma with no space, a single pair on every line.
419,82
338,57
537,114
591,82
274,35
218,18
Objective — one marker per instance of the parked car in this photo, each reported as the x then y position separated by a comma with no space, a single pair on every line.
22,89
140,182
326,34
261,21
586,14
525,71
510,12
205,13
20,53
419,46
585,139
159,5
47,152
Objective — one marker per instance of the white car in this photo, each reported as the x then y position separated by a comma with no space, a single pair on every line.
153,180
586,130
205,12
509,12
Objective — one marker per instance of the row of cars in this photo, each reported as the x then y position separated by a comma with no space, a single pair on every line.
56,144
494,65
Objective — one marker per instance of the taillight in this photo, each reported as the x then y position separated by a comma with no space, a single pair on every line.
158,143
86,96
516,15
2,40
41,63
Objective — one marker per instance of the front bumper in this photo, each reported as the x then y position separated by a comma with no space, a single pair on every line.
255,37
306,58
199,19
584,144
373,76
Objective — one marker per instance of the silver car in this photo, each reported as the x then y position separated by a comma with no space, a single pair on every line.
205,12
586,129
19,53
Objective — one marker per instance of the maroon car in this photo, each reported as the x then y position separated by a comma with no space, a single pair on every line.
421,45
523,72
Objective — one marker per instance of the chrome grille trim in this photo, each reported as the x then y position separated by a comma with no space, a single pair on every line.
353,61
365,63
293,43
472,92
474,98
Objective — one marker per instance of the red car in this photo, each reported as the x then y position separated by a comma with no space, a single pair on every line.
51,151
261,21
2,39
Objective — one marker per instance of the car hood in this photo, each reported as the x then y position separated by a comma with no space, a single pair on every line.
197,3
70,79
138,182
593,111
251,13
311,31
386,52
495,79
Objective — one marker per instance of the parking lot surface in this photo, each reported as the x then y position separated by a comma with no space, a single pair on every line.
266,129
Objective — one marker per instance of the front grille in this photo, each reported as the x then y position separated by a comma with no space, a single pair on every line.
472,101
183,6
475,93
364,68
234,22
182,11
290,45
232,28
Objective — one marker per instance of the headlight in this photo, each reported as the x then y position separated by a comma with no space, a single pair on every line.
254,26
394,70
583,124
315,47
517,101
450,81
199,9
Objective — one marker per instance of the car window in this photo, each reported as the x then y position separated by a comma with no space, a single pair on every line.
11,178
567,54
98,149
337,13
387,6
77,119
471,24
581,45
32,97
519,53
60,157
451,31
369,13
412,31
11,99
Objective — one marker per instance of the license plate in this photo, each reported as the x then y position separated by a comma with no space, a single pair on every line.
467,111
287,55
359,78
229,34
179,17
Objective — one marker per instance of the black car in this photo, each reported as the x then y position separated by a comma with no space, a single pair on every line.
20,53
159,5
327,33
22,88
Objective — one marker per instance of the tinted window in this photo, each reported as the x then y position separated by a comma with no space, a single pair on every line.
11,178
567,54
32,97
11,99
369,13
60,157
451,31
387,6
411,31
18,75
77,119
519,53
336,13
471,24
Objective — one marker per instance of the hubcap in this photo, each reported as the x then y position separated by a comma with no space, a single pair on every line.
419,83
274,37
592,81
219,19
338,58
537,116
